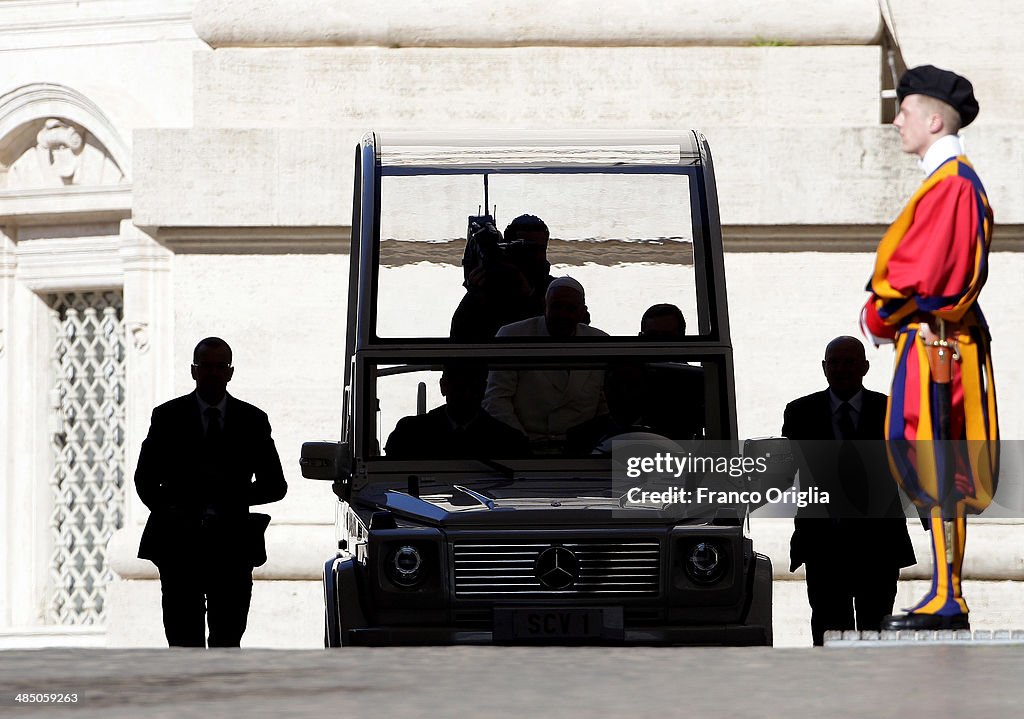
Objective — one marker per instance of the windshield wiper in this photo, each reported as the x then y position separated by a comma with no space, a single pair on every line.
482,499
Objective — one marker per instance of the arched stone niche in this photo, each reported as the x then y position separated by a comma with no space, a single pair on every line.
53,137
59,153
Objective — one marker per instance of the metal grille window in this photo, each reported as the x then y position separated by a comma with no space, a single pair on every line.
88,399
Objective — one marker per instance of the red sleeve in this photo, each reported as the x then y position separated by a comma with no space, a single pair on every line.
936,256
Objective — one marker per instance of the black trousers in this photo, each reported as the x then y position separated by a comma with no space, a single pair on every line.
840,592
218,591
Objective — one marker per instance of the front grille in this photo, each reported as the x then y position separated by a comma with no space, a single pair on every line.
508,568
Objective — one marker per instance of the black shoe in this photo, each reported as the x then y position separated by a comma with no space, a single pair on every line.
925,621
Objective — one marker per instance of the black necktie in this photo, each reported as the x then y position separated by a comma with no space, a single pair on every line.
846,428
851,468
214,431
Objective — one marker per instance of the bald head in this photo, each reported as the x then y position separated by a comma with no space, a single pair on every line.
845,365
845,343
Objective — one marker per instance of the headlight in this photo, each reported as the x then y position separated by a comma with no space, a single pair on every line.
405,566
704,563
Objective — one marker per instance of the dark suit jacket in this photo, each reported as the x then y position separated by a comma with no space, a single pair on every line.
880,540
186,483
431,435
481,314
675,404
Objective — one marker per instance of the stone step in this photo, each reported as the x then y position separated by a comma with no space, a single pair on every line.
933,636
49,636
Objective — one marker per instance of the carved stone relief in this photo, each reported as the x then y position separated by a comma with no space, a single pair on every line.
64,154
139,332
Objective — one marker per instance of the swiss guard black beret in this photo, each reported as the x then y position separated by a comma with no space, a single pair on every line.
944,85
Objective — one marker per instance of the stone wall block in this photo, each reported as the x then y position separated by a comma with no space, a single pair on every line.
302,177
447,23
204,177
976,41
533,22
537,87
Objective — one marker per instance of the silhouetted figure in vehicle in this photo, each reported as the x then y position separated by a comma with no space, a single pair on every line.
544,403
662,322
676,408
510,286
628,393
460,427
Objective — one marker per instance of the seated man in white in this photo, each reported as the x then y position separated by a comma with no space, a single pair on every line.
543,404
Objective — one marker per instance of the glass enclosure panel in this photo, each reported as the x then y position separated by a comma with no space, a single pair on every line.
576,148
627,238
556,409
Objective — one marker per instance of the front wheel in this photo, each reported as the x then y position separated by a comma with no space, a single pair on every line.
332,638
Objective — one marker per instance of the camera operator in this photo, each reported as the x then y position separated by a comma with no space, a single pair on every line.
506,278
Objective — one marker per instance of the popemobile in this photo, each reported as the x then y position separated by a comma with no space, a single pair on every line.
536,542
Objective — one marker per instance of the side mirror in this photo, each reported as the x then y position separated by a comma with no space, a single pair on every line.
325,460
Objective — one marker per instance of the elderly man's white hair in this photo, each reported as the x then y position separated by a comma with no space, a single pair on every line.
565,281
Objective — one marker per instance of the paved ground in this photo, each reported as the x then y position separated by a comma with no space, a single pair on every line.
966,681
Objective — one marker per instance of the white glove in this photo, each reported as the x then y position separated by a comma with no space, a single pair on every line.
876,341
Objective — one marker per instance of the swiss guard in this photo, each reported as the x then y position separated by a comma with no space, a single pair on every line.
941,427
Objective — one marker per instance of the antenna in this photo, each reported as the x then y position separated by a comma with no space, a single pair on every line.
486,190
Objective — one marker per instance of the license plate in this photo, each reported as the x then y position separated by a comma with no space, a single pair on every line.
528,624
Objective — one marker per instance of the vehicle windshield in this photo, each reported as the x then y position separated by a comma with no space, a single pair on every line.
625,236
537,407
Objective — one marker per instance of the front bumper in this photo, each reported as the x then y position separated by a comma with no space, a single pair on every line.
714,635
351,622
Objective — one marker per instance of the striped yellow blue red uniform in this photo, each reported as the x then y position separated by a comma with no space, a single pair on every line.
932,264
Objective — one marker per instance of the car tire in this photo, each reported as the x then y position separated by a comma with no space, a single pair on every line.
760,612
332,623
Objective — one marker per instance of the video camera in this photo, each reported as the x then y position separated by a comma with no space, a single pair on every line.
483,241
502,260
485,247
483,244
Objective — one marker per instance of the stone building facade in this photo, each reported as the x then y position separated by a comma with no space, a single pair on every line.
174,169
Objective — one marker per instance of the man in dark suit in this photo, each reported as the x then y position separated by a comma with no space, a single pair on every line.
195,474
460,427
853,557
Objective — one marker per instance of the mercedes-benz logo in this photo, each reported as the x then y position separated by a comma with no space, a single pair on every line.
557,568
